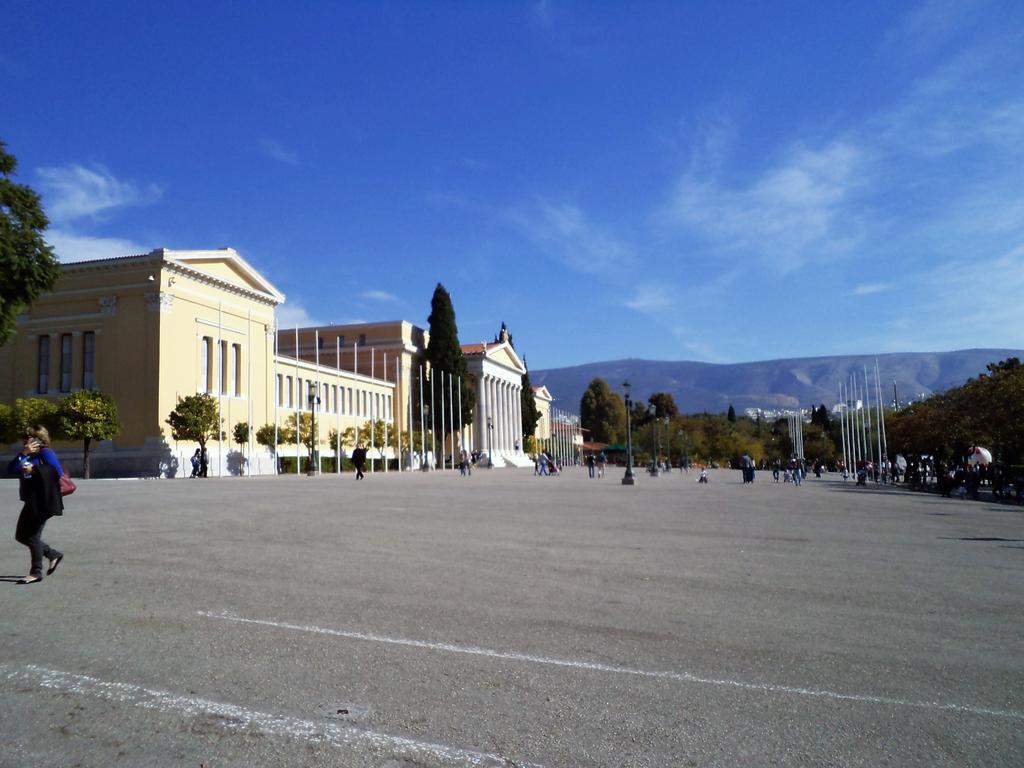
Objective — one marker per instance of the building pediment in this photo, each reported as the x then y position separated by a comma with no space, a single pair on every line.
500,353
226,266
542,393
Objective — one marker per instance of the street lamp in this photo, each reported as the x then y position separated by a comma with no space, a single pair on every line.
314,401
654,440
490,431
628,479
668,448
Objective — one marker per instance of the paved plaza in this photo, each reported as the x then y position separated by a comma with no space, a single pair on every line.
432,620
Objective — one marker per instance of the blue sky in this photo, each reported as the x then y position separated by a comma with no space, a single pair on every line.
686,180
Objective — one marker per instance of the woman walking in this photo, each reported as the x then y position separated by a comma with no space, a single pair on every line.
40,471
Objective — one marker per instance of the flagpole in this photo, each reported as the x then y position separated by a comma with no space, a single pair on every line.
842,432
355,392
462,426
277,398
423,428
433,427
338,405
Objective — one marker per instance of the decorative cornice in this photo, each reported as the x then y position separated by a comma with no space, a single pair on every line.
205,278
108,305
159,301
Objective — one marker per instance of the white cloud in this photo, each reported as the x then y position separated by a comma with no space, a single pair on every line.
293,315
649,298
960,318
378,296
564,233
277,151
74,191
792,213
865,289
70,247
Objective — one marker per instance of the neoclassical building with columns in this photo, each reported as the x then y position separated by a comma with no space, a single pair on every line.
152,328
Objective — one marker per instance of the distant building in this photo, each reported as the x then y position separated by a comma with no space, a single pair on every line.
152,328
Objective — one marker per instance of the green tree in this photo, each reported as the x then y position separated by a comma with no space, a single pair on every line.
195,419
265,437
27,264
6,424
305,422
528,407
240,434
731,416
603,413
30,411
664,405
444,354
88,415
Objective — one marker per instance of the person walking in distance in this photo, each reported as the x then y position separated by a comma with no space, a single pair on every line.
359,460
39,472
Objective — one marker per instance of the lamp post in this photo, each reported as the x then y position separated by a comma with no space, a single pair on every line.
490,431
314,401
654,440
668,447
628,479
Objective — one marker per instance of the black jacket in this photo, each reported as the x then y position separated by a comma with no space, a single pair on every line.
44,492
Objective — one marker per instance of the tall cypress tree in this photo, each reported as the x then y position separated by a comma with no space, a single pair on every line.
530,412
444,353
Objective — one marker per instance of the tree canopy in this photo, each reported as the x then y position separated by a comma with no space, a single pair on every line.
27,264
603,413
196,418
444,353
664,405
987,410
88,415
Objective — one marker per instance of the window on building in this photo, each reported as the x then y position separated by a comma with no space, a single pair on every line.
222,367
236,369
88,359
346,404
43,383
65,362
362,339
326,397
334,396
341,341
365,411
279,390
205,364
289,387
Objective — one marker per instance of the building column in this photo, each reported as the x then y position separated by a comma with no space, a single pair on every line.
512,416
519,416
488,439
502,413
508,417
480,419
503,427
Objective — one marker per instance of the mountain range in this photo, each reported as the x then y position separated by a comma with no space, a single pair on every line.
771,384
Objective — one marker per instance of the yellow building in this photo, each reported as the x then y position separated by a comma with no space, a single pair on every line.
152,328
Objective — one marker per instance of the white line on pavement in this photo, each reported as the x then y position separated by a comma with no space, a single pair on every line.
684,677
239,718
